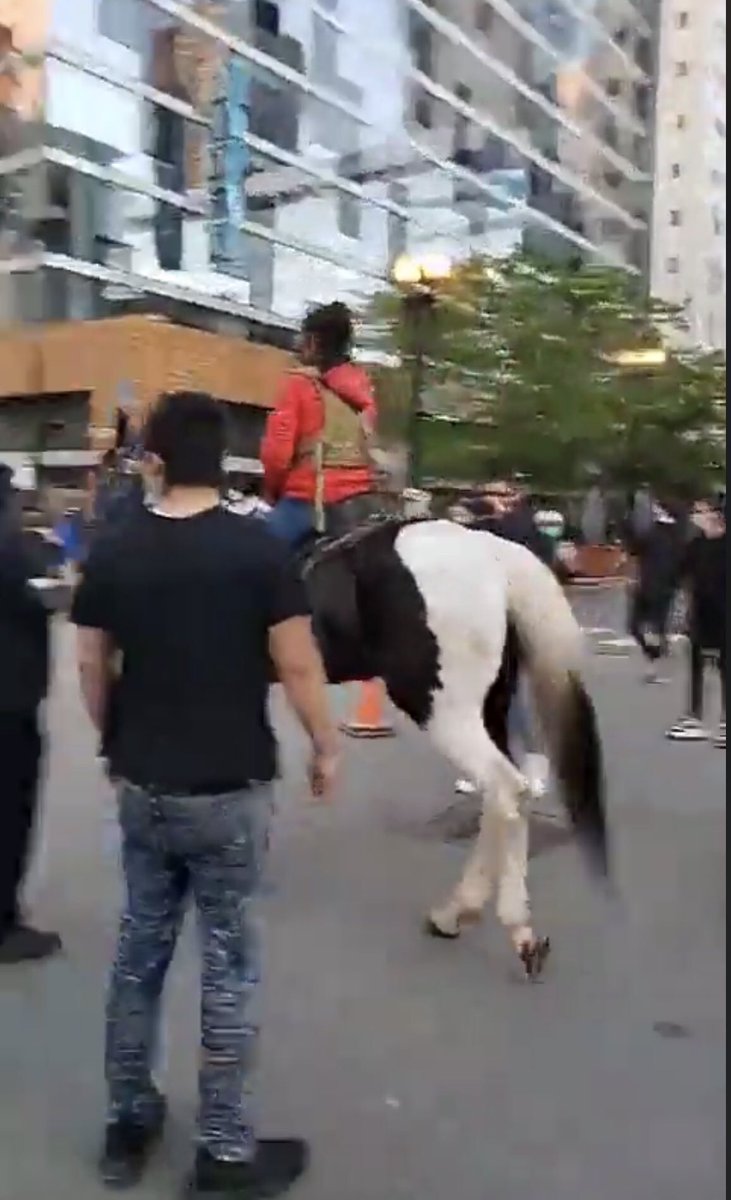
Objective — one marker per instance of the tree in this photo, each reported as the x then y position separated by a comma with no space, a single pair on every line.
522,361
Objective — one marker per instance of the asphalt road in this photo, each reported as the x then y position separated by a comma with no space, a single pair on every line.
420,1071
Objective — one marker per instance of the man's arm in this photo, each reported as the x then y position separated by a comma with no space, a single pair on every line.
300,671
94,653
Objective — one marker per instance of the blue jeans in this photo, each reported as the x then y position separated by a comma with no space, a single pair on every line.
292,520
213,847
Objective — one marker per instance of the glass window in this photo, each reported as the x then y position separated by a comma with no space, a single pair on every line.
676,217
682,20
673,265
122,22
484,17
676,171
681,69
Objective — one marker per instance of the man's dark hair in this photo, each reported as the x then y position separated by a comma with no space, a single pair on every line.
187,431
332,328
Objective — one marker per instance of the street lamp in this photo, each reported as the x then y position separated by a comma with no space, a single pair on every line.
418,279
651,357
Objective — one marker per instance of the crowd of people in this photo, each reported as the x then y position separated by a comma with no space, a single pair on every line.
185,612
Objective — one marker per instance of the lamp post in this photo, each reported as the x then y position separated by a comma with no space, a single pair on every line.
418,280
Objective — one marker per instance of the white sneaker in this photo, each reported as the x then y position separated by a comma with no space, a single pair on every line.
690,729
537,770
463,787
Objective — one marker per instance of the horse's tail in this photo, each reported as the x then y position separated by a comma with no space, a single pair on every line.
552,648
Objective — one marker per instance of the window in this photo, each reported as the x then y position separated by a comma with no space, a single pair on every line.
681,121
349,206
123,22
682,20
675,171
421,41
266,17
325,50
676,217
673,265
484,17
424,111
682,69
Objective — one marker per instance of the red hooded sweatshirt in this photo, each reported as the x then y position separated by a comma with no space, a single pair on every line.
298,416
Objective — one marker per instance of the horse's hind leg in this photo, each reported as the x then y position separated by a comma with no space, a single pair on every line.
499,860
468,901
462,736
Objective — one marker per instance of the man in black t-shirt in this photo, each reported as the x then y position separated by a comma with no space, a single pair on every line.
180,611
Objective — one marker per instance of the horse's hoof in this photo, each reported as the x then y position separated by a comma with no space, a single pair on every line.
534,956
433,930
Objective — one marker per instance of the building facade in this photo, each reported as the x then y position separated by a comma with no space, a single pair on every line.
243,159
689,226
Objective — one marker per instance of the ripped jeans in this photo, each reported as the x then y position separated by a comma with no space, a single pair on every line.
214,848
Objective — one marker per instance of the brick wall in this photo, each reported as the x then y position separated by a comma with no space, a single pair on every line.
141,355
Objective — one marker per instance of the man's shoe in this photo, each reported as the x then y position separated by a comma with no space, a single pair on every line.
276,1168
23,945
128,1147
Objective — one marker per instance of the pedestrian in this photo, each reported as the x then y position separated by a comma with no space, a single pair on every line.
195,603
24,673
703,573
318,468
657,549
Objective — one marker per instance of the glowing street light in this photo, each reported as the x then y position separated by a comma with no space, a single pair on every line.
426,269
654,356
418,278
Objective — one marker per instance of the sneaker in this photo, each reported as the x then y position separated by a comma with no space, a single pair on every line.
537,770
128,1147
720,739
463,787
24,945
690,729
276,1168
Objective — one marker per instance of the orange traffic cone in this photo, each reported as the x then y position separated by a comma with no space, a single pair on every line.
369,720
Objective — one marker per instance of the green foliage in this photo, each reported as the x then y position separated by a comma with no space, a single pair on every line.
519,354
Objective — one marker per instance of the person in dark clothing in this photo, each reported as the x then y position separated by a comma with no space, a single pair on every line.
24,672
504,511
182,610
703,573
658,552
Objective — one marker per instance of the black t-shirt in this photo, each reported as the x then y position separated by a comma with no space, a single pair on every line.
189,604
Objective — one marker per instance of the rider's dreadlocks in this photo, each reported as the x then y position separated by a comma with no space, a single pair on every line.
331,327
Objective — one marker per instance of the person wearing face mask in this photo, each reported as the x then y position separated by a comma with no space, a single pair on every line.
703,574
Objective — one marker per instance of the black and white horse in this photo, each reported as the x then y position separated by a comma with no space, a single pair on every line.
449,618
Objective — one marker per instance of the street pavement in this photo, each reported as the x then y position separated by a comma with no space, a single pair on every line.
419,1070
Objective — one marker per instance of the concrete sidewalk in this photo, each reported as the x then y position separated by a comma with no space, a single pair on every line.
419,1070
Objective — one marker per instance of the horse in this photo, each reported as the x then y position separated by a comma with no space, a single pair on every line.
448,618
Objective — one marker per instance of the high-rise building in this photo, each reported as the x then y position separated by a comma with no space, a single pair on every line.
228,163
689,218
251,157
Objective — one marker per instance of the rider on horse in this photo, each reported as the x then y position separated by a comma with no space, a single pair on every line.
316,452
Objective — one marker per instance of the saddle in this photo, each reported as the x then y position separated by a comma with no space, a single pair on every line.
344,522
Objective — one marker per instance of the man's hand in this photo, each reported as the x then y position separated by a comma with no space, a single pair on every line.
324,768
299,669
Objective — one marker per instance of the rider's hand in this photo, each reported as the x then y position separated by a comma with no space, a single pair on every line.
323,772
